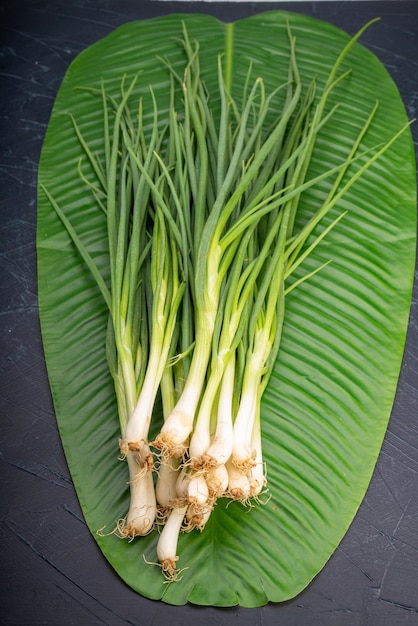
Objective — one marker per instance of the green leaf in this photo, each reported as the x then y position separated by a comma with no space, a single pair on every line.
326,409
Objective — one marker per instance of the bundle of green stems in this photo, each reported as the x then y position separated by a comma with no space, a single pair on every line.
201,216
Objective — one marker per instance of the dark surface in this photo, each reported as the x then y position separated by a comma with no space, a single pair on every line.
52,572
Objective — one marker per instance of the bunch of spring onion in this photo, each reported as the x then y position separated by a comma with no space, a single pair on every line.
201,216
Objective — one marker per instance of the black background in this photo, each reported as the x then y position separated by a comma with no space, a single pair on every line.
51,571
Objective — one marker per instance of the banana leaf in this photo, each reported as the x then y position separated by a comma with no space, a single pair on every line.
327,406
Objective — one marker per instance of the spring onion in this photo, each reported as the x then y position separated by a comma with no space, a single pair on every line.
203,246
